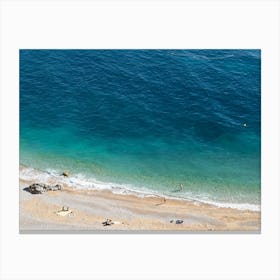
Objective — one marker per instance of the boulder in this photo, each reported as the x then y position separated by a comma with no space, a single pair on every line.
54,188
41,188
37,188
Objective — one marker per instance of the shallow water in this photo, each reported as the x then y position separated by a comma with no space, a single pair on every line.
146,119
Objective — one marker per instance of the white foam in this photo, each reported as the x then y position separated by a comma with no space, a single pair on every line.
80,181
239,206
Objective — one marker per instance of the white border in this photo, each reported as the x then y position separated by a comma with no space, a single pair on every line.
140,24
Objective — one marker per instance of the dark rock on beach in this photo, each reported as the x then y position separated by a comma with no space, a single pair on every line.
54,188
37,188
41,188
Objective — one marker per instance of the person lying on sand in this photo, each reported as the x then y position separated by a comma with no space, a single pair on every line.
108,222
65,211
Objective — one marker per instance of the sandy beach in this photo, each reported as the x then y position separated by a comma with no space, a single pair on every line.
90,208
133,126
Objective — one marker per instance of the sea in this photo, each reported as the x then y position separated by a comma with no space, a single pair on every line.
179,123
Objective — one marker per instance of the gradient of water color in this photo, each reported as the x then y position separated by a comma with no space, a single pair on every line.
147,120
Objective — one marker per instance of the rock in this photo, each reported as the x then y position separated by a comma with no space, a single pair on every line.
41,188
54,188
66,173
37,188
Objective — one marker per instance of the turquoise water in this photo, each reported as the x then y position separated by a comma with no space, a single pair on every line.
147,120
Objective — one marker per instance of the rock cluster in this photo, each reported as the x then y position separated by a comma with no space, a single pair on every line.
41,188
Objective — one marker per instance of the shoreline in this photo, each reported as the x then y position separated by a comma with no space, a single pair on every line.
129,212
121,189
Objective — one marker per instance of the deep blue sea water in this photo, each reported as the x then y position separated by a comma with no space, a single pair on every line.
147,120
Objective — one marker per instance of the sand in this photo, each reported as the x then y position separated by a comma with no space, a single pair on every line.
130,213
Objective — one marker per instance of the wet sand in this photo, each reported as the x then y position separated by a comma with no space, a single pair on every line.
38,213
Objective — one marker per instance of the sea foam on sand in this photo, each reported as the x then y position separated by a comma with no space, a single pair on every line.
79,181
